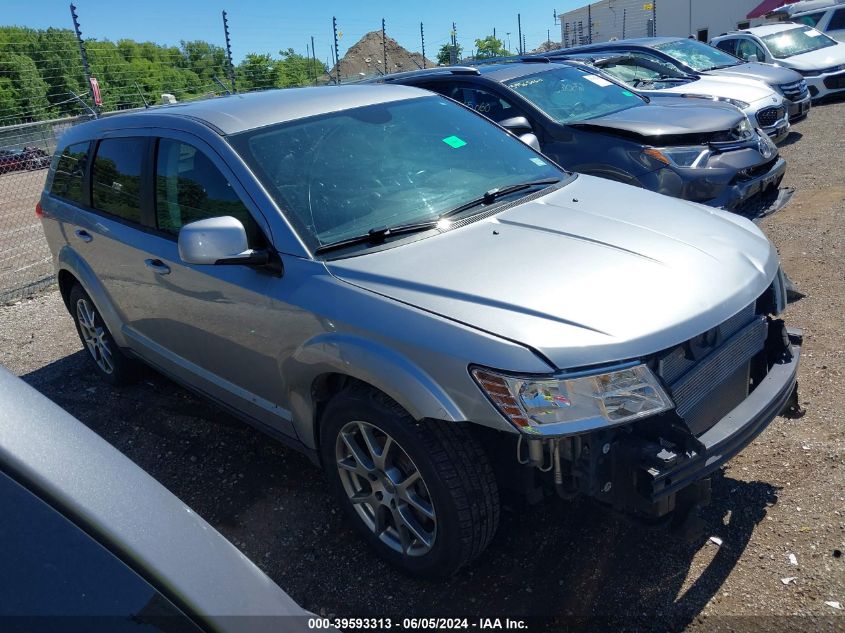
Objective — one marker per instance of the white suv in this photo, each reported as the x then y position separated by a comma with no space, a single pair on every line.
819,58
827,17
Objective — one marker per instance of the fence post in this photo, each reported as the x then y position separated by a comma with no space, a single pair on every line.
519,28
336,52
230,67
314,59
422,39
86,69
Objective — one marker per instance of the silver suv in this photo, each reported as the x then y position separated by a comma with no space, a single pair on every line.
429,308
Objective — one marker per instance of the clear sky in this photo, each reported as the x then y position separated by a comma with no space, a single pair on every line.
265,26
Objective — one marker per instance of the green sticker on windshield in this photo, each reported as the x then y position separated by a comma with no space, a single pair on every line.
628,93
539,162
454,141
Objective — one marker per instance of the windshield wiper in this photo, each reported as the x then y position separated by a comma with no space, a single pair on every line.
378,235
492,195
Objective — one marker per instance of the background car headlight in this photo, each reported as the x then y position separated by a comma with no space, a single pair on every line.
679,156
563,405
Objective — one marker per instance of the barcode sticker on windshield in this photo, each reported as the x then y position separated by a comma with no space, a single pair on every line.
539,162
813,33
599,81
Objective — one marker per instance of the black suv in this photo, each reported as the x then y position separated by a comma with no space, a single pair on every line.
589,123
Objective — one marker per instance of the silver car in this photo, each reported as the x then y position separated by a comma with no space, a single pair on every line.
425,305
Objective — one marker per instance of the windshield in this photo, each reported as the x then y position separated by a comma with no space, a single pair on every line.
698,55
796,41
337,176
569,95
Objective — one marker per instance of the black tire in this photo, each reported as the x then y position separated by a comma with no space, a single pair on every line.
110,363
456,475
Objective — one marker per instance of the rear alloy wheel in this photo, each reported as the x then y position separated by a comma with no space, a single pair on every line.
421,493
111,364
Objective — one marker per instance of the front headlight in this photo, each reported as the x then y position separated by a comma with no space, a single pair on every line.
734,102
565,405
679,156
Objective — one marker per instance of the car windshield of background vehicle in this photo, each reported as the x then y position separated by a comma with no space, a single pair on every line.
570,95
698,55
338,175
796,41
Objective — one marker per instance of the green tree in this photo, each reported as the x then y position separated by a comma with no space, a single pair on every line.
445,53
298,70
257,72
491,47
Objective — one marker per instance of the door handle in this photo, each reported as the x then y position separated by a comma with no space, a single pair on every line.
157,266
84,235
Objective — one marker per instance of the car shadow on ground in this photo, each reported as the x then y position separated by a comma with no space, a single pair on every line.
570,561
791,138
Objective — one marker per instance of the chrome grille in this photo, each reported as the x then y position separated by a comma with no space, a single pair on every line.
695,385
769,116
794,91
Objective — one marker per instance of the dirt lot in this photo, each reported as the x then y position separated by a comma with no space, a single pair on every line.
24,255
783,495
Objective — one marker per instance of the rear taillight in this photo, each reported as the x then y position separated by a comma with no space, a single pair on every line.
39,212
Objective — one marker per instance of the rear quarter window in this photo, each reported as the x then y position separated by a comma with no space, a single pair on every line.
116,177
70,173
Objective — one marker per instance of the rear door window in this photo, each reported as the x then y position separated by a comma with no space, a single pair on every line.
190,187
729,46
811,19
116,177
483,101
837,20
70,173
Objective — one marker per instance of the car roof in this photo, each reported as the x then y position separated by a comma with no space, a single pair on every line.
67,464
769,29
497,71
645,42
245,111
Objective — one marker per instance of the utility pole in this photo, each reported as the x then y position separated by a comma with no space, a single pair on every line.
422,39
384,45
508,33
230,68
314,59
453,58
519,26
86,69
336,52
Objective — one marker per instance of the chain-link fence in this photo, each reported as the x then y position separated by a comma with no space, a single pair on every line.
44,90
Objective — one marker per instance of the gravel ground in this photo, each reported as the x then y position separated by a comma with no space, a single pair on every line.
784,495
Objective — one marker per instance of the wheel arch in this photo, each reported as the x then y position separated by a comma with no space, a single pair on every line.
329,363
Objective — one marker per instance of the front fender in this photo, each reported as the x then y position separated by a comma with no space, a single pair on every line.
71,261
366,360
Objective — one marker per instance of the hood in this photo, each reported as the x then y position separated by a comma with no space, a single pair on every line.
816,60
750,91
772,75
594,272
663,118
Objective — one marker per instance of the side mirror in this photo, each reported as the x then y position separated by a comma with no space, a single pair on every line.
217,241
754,57
520,126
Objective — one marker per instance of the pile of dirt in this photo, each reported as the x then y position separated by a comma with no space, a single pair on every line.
547,46
366,58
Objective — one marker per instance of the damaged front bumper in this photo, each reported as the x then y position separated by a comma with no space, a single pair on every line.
650,467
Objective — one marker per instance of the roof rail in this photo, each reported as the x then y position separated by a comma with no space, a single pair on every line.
510,59
437,70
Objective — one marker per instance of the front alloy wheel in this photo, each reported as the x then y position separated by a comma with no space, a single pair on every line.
386,488
421,493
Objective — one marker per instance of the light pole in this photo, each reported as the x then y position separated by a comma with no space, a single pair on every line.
508,33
